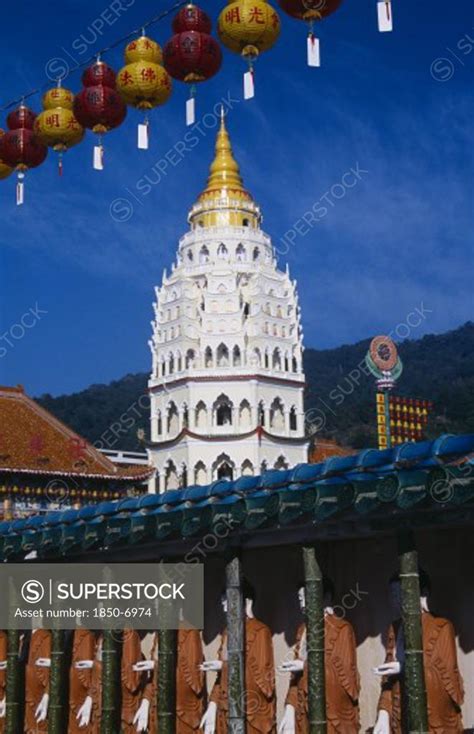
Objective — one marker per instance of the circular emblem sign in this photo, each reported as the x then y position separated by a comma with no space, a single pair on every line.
383,353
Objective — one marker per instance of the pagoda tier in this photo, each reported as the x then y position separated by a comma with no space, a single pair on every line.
227,378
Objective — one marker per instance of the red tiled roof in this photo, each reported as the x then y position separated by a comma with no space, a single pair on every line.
324,449
32,441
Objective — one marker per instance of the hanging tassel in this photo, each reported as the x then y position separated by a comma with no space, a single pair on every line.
384,14
99,157
60,164
249,83
20,189
314,58
191,106
143,135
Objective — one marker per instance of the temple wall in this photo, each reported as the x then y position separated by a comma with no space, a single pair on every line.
360,570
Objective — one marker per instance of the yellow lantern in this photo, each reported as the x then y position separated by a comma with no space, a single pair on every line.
143,82
57,126
248,27
4,169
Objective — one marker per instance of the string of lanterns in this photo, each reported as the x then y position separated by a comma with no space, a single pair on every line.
191,55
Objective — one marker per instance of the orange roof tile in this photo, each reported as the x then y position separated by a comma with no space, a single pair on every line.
324,449
33,441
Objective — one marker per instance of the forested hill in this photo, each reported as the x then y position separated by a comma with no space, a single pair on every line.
339,400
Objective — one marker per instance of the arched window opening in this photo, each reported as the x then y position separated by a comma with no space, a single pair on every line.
247,469
236,356
200,473
201,416
267,361
173,419
190,356
246,222
222,251
276,362
223,467
287,363
185,417
171,364
208,357
190,255
240,252
277,415
222,356
256,357
184,476
281,463
261,414
159,423
293,419
225,471
223,411
255,254
245,414
294,365
171,476
203,255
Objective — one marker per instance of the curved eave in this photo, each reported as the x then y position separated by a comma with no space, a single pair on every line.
121,475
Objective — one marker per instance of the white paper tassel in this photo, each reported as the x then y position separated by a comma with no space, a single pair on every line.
143,137
314,58
99,157
249,85
20,189
384,13
190,111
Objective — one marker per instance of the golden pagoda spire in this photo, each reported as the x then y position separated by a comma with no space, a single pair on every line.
224,201
224,172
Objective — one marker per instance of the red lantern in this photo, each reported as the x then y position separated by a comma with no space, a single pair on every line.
20,148
310,11
192,55
192,18
99,106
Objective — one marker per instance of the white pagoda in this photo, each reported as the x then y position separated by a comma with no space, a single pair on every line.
227,381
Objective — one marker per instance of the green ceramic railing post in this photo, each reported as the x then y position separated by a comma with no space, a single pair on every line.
235,644
13,684
166,688
314,613
111,683
412,629
57,685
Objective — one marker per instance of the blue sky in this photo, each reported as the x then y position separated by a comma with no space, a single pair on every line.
396,107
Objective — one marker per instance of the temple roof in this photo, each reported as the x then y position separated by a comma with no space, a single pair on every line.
34,442
427,484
